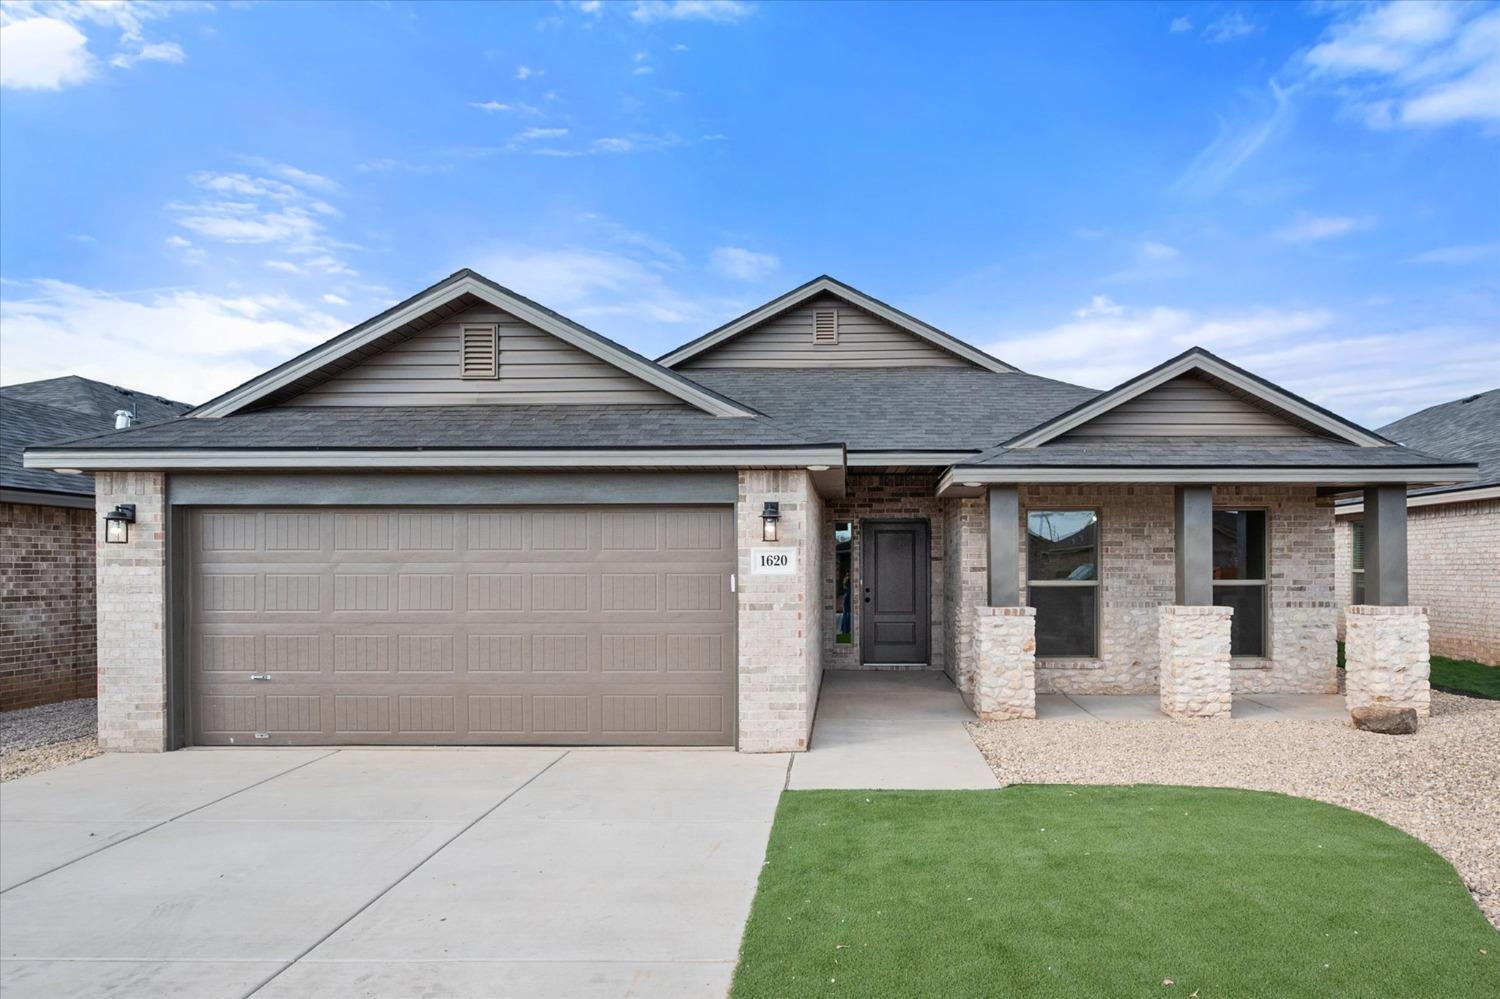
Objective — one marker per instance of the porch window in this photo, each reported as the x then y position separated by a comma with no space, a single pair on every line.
1062,581
843,584
1357,558
1240,577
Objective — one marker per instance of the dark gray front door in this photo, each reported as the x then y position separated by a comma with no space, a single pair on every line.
894,624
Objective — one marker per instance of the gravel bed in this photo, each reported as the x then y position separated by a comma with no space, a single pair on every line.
36,739
1441,785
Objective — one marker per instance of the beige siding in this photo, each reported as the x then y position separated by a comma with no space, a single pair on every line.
786,341
1187,407
535,367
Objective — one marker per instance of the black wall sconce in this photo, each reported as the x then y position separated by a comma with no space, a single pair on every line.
117,523
769,515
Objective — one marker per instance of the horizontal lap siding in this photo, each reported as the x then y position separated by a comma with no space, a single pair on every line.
535,367
786,342
1187,407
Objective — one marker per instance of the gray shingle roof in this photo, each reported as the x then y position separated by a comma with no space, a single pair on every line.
84,395
1466,429
890,409
456,427
1189,452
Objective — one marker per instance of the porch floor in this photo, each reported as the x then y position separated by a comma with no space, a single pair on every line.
1147,707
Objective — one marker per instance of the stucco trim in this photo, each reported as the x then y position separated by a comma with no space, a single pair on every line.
954,480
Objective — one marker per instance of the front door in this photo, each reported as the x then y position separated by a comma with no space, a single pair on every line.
894,624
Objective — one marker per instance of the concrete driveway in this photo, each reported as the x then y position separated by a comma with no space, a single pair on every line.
475,873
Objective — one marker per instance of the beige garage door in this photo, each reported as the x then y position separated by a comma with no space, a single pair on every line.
495,625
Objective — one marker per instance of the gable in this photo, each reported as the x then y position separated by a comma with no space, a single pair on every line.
1190,406
858,339
534,367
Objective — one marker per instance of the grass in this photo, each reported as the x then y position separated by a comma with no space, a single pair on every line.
1459,676
1104,891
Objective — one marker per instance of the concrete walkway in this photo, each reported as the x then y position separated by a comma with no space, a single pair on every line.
374,873
890,729
1147,707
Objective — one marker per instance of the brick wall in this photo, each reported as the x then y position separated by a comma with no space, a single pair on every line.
46,604
132,612
882,496
1453,551
780,617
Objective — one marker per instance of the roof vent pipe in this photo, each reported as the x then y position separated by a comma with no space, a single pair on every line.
123,419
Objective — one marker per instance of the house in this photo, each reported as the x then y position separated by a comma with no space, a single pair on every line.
47,536
1453,531
472,520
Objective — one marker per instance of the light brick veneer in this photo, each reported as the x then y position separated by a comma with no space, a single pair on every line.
1386,658
1452,553
780,617
965,583
46,604
1004,683
884,496
132,579
1194,655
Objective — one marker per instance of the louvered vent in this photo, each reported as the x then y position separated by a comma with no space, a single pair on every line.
826,326
1357,549
481,357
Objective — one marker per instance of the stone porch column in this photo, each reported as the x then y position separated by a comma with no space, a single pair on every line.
780,616
132,602
1386,651
1194,644
1005,663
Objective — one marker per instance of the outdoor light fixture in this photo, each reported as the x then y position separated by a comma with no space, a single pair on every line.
117,523
769,515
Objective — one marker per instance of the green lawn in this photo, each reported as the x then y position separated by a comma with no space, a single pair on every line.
1460,676
1104,891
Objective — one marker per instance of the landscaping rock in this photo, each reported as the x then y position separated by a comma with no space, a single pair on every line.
1387,721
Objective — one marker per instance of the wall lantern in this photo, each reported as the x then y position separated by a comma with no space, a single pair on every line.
117,523
768,518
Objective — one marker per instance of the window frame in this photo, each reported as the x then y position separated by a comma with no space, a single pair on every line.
1096,584
1264,583
1356,561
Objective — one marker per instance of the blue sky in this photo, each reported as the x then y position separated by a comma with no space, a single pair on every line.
191,193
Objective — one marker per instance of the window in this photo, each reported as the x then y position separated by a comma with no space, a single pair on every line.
1240,577
1357,558
1062,580
843,584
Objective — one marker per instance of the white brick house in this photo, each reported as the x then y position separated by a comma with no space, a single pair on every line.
471,520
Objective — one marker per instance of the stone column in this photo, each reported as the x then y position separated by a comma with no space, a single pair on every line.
1194,677
780,616
1004,663
132,601
1386,658
965,565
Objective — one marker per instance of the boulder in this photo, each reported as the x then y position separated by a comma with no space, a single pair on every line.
1387,721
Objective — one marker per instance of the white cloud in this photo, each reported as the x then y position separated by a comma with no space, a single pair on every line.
149,52
1315,228
1413,64
43,53
642,71
720,11
185,345
533,134
1151,250
741,264
1239,140
252,209
1179,25
332,299
1229,27
1463,254
526,72
590,6
613,144
489,106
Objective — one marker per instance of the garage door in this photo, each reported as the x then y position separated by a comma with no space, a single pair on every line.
494,625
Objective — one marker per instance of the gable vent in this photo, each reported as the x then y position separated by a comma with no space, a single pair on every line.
826,326
480,354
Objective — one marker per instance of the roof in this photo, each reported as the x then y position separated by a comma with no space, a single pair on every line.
889,409
823,284
59,409
1466,429
408,317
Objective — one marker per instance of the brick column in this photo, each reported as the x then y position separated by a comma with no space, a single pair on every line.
132,598
1194,645
1004,663
1386,658
965,568
780,616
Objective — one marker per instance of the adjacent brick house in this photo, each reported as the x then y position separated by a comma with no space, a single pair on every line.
1453,531
470,520
48,536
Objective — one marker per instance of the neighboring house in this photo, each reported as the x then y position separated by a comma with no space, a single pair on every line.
1453,531
472,520
47,537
